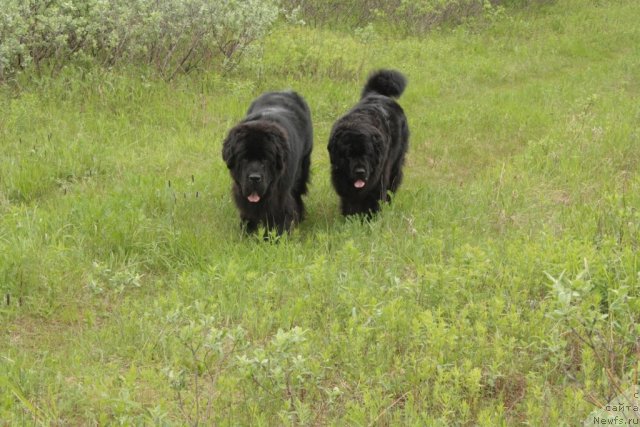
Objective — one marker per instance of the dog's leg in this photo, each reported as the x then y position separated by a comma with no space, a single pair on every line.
300,187
285,223
248,225
395,178
299,206
367,206
348,208
285,220
373,206
384,197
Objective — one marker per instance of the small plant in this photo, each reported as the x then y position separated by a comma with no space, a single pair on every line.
205,351
104,278
281,373
601,319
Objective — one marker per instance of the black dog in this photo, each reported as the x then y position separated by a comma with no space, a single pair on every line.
368,144
268,154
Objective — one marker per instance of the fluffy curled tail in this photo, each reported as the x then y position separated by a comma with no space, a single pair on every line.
389,83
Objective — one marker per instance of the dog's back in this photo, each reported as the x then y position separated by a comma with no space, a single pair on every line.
287,108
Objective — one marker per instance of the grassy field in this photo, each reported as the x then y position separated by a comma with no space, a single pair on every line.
502,286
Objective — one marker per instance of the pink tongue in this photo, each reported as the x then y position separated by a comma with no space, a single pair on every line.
254,198
359,183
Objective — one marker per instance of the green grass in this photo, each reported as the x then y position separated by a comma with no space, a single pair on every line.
500,287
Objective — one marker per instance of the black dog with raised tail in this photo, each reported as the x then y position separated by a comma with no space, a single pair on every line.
367,145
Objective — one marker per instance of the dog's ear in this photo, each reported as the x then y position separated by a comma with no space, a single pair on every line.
337,134
331,147
377,144
278,138
229,148
281,152
332,143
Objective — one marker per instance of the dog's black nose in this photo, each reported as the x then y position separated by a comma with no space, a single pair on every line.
360,171
255,177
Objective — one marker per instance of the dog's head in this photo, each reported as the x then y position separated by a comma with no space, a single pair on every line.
255,153
356,155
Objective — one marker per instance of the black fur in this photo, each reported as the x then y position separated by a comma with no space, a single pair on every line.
368,145
268,155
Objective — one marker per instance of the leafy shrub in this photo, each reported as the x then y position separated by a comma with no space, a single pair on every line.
12,31
596,323
204,352
173,36
408,15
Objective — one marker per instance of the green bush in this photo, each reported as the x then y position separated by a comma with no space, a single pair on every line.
173,36
409,15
